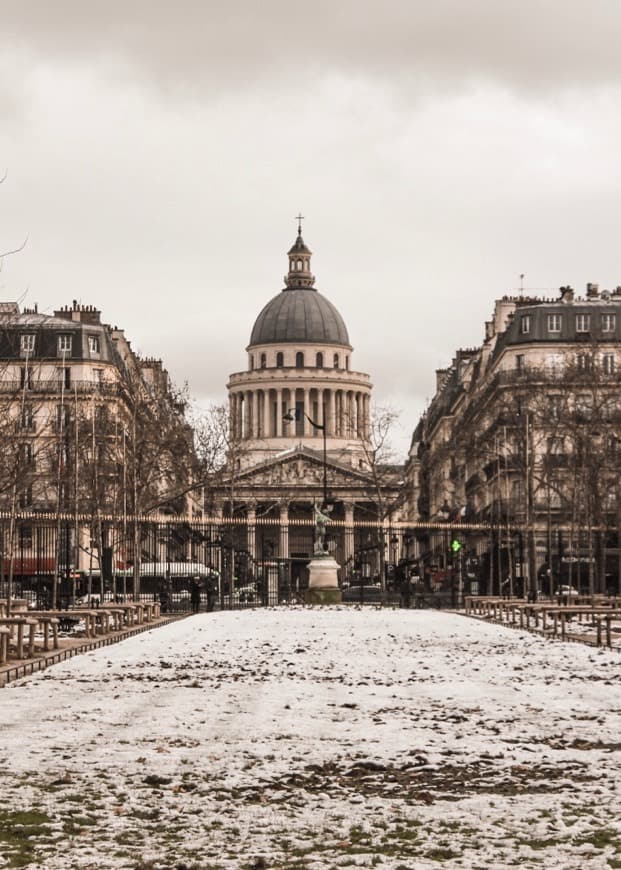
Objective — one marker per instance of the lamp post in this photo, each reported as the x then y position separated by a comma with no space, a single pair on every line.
291,416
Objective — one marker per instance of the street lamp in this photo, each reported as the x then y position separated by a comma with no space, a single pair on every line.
291,416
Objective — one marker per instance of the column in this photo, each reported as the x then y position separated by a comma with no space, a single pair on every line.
321,410
255,414
232,412
247,414
332,413
266,418
307,425
279,413
367,416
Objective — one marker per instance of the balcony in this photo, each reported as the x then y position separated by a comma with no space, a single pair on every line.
56,387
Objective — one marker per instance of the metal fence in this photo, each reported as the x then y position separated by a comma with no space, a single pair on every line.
237,563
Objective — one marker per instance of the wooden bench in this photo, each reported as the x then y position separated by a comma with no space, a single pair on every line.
5,631
17,626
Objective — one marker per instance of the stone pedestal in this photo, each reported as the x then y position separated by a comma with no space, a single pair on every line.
323,584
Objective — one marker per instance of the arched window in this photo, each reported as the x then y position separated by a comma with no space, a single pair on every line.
298,265
263,360
336,360
299,360
280,360
319,361
251,362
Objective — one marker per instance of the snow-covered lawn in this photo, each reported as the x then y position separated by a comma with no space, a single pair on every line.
316,739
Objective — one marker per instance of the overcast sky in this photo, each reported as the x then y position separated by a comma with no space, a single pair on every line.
157,153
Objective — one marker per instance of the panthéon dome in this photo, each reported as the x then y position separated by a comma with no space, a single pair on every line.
299,313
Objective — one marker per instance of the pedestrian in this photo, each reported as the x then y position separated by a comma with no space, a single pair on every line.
164,600
211,593
195,596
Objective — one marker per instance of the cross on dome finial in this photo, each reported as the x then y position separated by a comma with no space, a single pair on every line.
299,218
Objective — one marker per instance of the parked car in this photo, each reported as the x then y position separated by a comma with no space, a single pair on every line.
567,592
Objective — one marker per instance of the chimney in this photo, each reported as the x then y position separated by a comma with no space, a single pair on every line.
567,294
440,378
592,291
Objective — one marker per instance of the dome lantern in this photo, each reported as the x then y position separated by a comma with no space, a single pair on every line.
299,274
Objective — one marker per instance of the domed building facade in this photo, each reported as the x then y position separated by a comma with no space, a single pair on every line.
300,377
300,438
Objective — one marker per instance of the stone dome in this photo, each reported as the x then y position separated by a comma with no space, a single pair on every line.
299,314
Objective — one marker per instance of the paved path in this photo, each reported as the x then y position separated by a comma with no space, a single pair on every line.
316,739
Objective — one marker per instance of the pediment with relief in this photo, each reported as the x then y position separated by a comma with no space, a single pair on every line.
299,470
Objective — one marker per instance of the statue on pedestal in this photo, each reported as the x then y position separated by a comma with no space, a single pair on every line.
322,518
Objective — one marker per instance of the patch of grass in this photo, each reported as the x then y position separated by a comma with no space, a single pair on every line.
19,832
441,854
600,839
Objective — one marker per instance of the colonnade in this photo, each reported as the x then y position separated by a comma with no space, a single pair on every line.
259,413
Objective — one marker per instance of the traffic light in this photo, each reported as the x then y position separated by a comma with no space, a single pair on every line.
455,546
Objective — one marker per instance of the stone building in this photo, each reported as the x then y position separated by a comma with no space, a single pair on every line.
90,433
301,434
520,444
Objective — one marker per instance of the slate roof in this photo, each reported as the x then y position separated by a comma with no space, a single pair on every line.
299,314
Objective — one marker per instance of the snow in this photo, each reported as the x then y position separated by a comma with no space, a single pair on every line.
319,738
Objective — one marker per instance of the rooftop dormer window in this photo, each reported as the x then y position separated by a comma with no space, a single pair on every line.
93,344
608,323
525,324
27,343
583,322
64,344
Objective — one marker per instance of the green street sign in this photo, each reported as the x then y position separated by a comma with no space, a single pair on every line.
455,546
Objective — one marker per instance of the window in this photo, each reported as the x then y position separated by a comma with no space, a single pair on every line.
63,418
555,407
556,445
555,322
336,360
25,378
27,343
584,362
263,360
251,362
519,362
583,322
64,343
63,376
319,361
347,363
299,360
26,455
609,322
27,418
97,376
525,324
608,363
584,405
280,360
25,497
93,344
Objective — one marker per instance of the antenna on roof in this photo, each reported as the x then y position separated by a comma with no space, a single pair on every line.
521,283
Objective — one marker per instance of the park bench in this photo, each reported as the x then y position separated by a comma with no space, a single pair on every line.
5,631
17,626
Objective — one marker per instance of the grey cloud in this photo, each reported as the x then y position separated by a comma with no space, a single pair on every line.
200,47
